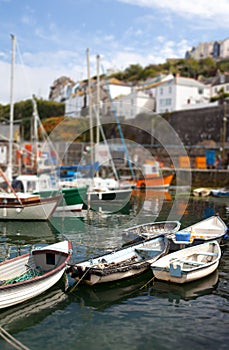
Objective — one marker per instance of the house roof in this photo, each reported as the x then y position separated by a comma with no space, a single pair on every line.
222,78
188,82
115,81
161,79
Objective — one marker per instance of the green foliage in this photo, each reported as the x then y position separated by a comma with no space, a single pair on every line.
189,67
224,65
23,112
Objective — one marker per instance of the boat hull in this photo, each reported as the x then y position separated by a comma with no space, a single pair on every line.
189,264
110,195
73,198
114,277
220,193
40,209
156,182
186,277
149,230
12,293
121,264
212,228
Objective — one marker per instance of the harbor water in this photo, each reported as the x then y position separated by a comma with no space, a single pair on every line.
136,314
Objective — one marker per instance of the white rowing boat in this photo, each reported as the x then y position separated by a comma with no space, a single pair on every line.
188,264
212,228
31,274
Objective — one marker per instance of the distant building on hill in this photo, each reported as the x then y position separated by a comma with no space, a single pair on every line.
214,49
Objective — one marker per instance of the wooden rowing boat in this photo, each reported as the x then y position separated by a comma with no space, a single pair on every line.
31,274
149,230
123,263
188,264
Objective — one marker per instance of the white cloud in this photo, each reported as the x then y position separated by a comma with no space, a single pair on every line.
27,81
199,8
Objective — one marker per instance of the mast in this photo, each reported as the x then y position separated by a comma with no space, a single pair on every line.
90,108
10,159
35,133
98,98
120,132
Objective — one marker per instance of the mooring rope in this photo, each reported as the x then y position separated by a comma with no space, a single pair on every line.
11,340
78,282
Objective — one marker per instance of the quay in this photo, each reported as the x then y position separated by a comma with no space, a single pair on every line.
201,177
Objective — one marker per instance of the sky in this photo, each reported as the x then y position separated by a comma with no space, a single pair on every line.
52,37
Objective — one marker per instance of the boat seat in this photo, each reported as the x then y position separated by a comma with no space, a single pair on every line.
192,262
147,250
208,254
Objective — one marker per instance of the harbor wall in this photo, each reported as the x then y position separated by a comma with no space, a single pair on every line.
201,178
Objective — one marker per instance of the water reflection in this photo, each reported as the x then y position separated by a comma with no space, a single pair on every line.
17,237
189,291
25,315
103,296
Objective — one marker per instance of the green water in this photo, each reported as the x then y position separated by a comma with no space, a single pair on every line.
136,314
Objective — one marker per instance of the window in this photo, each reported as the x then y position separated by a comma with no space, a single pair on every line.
50,259
170,89
165,102
161,91
168,102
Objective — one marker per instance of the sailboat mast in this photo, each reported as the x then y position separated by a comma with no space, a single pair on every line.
35,136
98,98
90,108
10,159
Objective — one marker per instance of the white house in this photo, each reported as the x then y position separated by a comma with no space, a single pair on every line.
134,103
141,99
181,93
109,91
74,104
220,82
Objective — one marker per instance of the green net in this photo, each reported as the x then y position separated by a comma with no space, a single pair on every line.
26,276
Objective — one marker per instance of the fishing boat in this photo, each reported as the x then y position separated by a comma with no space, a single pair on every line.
152,177
31,274
212,228
188,264
119,264
149,230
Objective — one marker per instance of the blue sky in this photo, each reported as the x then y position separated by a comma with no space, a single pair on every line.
52,37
